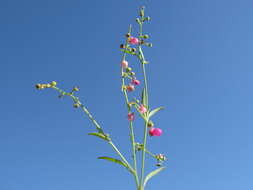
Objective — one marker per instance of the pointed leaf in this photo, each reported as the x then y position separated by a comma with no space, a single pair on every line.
151,174
144,97
155,111
100,135
116,161
100,130
113,160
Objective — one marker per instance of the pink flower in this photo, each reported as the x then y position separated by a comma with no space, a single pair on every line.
155,132
136,82
130,88
124,64
130,116
142,109
133,40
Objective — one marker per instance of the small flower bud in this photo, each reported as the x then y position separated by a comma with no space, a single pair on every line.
142,11
38,86
128,69
148,18
122,46
150,124
142,109
149,44
53,83
132,73
130,116
133,40
128,35
133,49
160,157
136,82
75,89
130,88
76,105
124,74
146,36
155,131
138,20
124,64
142,42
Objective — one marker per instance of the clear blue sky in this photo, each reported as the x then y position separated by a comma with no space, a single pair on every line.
200,70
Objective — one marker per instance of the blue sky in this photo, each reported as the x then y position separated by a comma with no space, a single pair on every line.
200,70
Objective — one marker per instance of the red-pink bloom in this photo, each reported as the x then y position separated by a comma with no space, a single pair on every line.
124,64
151,131
130,88
158,132
130,116
142,109
136,82
155,132
133,40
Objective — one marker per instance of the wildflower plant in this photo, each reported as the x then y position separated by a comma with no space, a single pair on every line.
135,107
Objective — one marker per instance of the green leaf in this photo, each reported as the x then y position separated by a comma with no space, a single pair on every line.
100,130
144,97
100,135
116,161
155,111
127,51
151,174
113,160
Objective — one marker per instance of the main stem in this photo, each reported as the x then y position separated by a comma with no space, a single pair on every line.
131,122
146,121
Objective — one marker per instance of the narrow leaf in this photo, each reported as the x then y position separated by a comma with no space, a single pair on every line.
144,97
100,135
151,174
155,111
113,160
116,161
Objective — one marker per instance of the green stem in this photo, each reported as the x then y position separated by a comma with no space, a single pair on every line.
142,59
76,100
122,157
131,123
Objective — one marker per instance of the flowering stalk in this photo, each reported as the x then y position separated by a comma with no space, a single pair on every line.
133,105
129,112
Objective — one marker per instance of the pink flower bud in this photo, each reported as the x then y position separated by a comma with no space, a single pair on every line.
158,132
155,132
142,109
130,116
130,88
124,64
151,131
136,82
133,40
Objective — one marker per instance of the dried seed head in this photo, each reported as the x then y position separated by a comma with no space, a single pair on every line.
128,35
150,124
75,89
122,46
38,86
133,49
